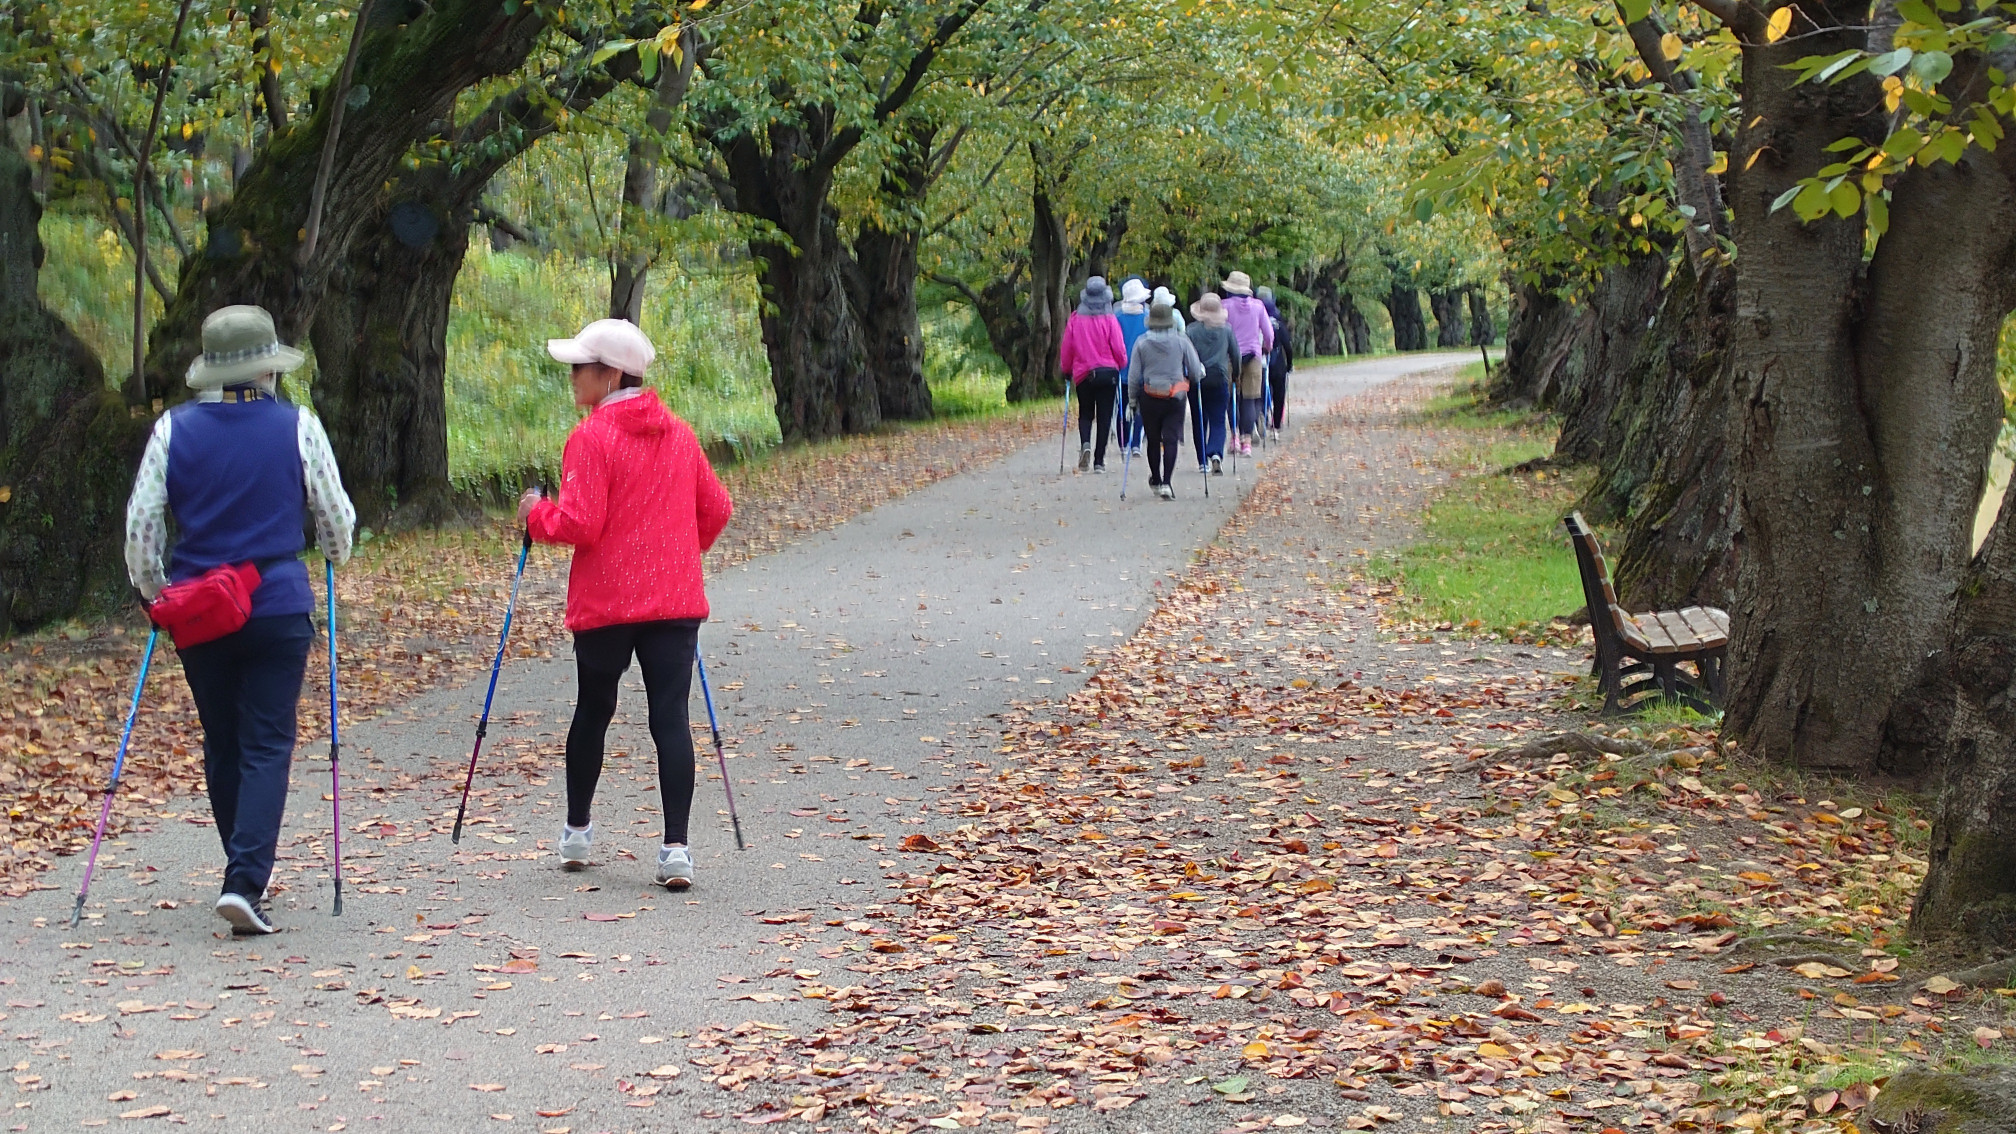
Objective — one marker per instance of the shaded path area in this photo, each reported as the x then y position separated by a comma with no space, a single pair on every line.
860,671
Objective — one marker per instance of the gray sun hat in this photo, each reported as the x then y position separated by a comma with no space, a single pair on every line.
240,346
1096,298
1161,317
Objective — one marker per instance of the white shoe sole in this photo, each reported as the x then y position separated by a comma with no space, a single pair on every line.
243,919
676,883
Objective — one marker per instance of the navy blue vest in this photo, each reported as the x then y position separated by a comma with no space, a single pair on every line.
237,491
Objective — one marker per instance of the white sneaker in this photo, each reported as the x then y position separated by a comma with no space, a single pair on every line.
574,846
1167,492
245,916
1217,465
675,867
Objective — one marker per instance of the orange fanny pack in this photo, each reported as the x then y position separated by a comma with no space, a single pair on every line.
207,607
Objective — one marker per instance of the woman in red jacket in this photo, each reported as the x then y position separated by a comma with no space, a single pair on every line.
639,503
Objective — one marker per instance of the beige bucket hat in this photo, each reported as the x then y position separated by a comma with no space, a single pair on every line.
1239,283
1209,310
240,346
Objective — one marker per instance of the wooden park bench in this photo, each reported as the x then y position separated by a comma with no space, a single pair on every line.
1638,656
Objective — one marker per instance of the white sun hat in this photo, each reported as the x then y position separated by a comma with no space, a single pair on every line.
612,342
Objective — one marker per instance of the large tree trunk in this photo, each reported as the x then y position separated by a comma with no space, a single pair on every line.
1612,321
381,332
1447,304
1032,364
413,72
1662,466
1963,715
817,363
1542,331
1102,245
1483,329
67,443
1866,411
1403,306
381,347
882,282
1326,318
1357,329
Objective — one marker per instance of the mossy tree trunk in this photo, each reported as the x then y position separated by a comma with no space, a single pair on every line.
1357,330
1483,328
1663,465
412,72
1403,306
882,281
381,330
68,444
1447,306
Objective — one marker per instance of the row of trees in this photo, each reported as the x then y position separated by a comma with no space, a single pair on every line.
1763,280
328,162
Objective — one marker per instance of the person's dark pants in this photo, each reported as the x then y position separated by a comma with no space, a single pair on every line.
1277,377
1095,401
1217,399
1162,420
601,657
1249,415
247,686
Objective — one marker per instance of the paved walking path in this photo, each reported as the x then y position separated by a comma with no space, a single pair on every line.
479,988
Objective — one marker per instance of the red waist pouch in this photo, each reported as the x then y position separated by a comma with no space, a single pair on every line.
207,607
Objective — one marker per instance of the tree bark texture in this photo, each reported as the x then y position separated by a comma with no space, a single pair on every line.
1326,316
817,363
1610,323
1447,305
882,282
1403,306
1663,460
1959,721
1865,406
1357,329
381,331
414,71
381,352
1542,331
1483,328
1034,374
67,442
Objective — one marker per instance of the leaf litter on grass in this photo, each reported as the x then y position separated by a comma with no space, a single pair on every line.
416,611
1233,871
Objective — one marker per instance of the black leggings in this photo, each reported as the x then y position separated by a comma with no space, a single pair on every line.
665,653
1162,421
1095,399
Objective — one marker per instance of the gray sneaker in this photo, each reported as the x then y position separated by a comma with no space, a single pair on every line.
1084,457
245,915
574,846
675,867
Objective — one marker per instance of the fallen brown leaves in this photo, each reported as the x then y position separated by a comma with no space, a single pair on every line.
1235,869
416,611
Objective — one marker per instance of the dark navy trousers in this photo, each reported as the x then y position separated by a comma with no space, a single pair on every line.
247,687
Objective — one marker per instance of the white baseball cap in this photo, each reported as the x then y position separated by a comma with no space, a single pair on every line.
612,342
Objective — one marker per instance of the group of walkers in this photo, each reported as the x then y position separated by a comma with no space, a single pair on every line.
236,466
1138,368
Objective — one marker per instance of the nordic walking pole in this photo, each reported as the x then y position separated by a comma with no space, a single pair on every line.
118,765
335,769
483,725
720,757
1126,462
1064,429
